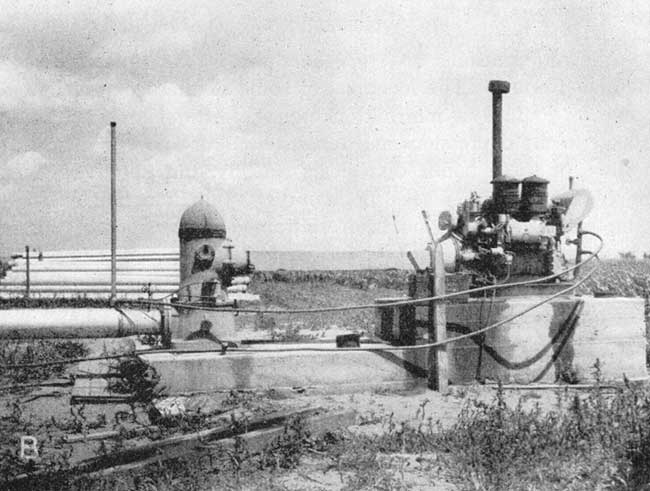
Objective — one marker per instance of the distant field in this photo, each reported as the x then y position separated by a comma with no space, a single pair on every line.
306,288
620,277
626,278
311,289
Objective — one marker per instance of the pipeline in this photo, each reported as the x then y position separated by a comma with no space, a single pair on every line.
77,323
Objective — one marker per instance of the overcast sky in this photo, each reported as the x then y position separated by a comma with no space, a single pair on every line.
310,124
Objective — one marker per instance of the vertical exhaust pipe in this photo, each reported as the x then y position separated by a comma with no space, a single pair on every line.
113,218
497,87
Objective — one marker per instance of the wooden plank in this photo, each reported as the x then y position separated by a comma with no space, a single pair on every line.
181,444
255,442
437,359
388,319
534,387
394,323
178,445
407,329
151,429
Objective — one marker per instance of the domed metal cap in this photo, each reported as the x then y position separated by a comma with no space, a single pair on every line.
505,179
535,179
201,221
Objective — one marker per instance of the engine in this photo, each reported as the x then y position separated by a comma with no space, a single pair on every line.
515,233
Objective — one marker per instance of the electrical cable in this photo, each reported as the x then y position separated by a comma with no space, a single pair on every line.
399,348
67,361
436,344
282,350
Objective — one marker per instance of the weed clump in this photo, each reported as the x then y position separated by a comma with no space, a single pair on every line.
594,440
36,352
137,378
585,446
285,451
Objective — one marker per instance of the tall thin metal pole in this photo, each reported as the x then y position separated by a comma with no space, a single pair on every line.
113,218
27,273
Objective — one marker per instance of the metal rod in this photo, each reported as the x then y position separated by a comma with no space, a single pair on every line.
27,278
34,284
414,263
107,255
229,247
578,242
122,260
428,226
579,251
150,271
37,291
113,217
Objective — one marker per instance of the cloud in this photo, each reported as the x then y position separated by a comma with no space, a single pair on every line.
24,165
14,172
316,120
29,89
137,47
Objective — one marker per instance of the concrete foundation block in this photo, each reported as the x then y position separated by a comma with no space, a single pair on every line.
539,346
338,370
534,347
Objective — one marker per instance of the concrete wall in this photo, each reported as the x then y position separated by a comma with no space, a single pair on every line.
538,347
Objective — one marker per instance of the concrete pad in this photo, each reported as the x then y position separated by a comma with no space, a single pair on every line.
337,370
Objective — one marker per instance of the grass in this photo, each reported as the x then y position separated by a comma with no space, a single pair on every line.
315,294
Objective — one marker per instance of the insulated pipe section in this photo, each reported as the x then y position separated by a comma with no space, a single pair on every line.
497,87
77,323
